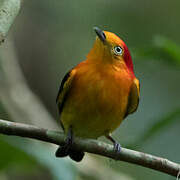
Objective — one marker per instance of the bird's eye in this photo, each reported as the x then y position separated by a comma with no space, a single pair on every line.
118,50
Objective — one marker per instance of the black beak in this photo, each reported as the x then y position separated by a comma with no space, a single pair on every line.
100,34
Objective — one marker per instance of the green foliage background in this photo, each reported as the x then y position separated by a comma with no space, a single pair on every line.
53,36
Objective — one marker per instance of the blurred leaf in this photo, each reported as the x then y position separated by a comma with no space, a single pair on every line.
158,127
12,155
60,168
169,47
162,48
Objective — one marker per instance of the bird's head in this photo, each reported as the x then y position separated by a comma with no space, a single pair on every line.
109,48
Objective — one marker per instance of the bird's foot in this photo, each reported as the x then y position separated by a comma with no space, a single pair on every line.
117,147
63,151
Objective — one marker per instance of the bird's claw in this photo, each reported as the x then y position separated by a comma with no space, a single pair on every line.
63,151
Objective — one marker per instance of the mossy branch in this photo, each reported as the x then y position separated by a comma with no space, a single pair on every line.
91,146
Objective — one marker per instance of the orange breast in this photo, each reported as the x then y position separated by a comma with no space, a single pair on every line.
97,100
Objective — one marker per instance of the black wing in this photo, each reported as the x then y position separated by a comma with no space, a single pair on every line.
63,91
67,75
133,100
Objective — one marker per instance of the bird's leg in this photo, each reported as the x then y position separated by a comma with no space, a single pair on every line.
69,139
66,150
63,151
117,146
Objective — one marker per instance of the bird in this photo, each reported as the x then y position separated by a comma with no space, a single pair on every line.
97,94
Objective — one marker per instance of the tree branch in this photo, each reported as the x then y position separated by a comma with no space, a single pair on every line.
91,146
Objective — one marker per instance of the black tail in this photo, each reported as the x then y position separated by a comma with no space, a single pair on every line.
66,149
74,155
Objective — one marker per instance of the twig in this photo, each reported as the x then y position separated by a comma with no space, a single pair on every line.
91,146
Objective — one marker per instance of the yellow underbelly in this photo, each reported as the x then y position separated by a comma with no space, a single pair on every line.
91,126
97,108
